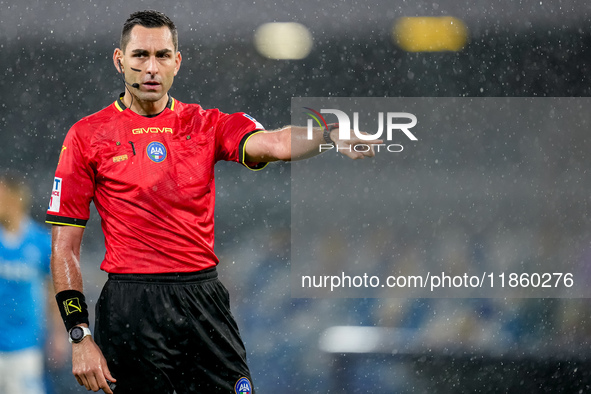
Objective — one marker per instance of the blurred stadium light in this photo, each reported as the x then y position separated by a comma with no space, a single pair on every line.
354,339
522,48
454,367
286,40
430,34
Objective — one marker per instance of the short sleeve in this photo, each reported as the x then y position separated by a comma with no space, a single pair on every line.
74,183
232,134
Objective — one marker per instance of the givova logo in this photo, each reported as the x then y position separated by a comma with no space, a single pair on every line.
392,125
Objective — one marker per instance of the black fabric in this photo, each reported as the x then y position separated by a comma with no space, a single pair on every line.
242,159
165,333
72,307
63,220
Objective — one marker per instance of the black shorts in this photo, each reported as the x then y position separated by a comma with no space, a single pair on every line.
174,332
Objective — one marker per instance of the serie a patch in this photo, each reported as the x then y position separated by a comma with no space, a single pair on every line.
256,123
56,192
243,386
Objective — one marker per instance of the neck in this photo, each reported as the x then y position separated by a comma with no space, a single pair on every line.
143,107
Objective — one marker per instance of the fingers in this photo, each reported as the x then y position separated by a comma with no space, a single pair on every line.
356,149
107,375
94,382
88,381
106,388
90,367
83,380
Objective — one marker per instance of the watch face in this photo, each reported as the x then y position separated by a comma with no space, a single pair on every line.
76,334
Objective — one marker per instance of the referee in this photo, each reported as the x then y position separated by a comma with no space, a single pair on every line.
163,320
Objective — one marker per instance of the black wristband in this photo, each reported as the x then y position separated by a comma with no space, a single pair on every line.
73,308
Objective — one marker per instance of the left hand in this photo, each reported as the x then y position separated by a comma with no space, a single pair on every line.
354,148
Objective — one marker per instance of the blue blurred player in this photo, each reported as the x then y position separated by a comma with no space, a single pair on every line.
25,249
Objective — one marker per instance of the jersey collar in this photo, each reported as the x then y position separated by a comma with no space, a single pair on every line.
121,107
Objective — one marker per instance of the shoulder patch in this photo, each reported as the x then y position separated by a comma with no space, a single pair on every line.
257,124
54,201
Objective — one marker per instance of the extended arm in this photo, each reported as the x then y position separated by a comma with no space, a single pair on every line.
88,363
292,143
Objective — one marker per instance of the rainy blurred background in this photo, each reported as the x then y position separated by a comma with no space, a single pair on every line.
253,56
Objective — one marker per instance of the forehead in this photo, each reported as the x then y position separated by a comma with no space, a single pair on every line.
150,38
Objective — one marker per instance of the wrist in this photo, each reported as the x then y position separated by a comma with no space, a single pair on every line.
329,136
72,307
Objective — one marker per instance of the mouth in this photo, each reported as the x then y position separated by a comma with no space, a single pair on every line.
151,84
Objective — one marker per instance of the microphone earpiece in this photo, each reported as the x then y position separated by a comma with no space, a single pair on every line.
133,85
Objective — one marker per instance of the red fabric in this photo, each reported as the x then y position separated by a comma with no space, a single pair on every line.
157,209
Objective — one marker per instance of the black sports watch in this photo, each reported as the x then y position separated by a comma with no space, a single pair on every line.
327,131
77,334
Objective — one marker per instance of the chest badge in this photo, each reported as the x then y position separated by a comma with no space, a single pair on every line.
156,151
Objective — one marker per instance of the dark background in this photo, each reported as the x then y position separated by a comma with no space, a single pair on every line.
56,62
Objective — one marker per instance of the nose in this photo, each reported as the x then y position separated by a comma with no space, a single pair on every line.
152,66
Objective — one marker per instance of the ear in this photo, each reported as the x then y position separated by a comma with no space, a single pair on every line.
177,61
117,57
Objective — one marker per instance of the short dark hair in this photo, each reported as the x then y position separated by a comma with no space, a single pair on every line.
148,18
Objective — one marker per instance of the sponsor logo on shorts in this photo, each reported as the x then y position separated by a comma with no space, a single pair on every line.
72,305
243,386
156,151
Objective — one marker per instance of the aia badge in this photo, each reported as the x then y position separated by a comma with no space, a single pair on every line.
156,151
243,386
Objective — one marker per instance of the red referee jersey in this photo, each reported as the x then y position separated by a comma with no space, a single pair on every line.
152,182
